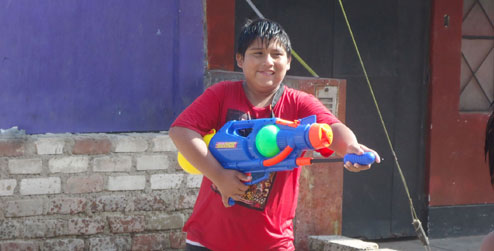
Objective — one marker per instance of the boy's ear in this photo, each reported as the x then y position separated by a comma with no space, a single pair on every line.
288,64
240,60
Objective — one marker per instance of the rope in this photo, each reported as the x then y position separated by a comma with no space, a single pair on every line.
416,222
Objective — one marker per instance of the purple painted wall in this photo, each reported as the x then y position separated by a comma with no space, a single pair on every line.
99,65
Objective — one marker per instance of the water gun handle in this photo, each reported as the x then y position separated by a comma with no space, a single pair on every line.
231,202
365,159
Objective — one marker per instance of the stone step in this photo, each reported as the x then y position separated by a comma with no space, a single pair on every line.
340,243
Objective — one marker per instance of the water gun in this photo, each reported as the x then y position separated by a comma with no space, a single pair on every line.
262,146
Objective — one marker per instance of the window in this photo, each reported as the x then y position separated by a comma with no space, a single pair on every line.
477,51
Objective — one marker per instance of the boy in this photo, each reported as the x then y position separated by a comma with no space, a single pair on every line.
261,218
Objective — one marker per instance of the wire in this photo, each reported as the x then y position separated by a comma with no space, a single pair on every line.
416,222
294,53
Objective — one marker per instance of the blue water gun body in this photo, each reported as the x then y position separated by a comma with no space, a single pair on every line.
262,146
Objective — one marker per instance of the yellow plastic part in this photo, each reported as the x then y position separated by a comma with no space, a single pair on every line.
185,164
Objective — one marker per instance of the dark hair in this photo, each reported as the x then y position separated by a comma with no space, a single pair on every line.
266,30
489,143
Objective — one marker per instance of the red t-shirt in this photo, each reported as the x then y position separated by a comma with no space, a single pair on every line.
263,220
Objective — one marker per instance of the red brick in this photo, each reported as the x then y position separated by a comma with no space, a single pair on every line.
110,203
148,242
113,242
12,148
165,221
10,229
91,146
86,226
146,202
177,239
84,184
67,206
19,245
63,244
43,228
183,200
128,224
23,207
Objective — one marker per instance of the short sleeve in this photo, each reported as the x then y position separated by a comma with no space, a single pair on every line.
203,114
310,105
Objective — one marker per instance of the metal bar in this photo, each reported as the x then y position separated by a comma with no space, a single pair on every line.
474,74
470,9
314,161
473,37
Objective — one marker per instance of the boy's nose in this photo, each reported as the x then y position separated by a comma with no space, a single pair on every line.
269,60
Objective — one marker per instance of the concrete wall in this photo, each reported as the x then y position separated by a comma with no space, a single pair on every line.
93,192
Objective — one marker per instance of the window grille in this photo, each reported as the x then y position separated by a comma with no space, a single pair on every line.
477,56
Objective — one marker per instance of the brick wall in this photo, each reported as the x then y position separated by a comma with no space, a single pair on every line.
93,192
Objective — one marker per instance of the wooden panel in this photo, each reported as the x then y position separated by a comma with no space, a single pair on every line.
458,173
221,34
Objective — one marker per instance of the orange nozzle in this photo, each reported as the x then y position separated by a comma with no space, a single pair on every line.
320,135
303,161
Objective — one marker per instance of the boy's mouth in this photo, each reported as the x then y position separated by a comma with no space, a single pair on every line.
267,73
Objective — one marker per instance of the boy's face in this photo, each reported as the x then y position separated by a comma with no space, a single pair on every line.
264,66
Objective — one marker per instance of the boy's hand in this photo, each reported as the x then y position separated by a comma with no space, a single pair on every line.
230,184
359,149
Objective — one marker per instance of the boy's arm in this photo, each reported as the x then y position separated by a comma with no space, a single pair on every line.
194,149
345,141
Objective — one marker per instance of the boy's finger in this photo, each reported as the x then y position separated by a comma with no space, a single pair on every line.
224,199
243,189
356,149
366,149
351,168
244,177
355,167
363,167
378,158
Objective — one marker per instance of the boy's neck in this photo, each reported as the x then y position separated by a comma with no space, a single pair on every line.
259,99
